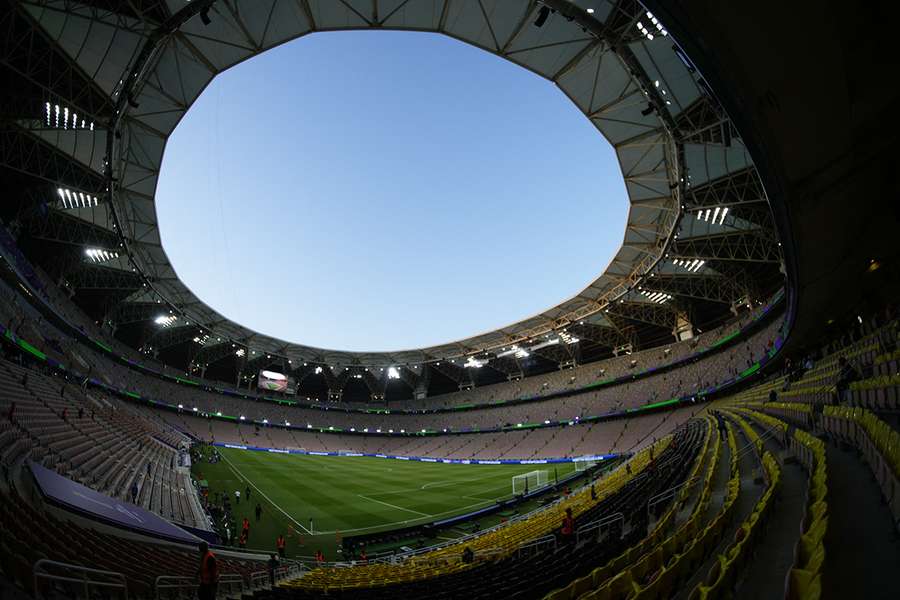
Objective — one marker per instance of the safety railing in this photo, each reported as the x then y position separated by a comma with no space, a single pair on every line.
262,579
595,529
176,587
536,546
77,580
669,493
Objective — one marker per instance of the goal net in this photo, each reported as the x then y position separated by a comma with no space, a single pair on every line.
583,464
528,482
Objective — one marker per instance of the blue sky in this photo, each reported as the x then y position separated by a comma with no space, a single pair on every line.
384,191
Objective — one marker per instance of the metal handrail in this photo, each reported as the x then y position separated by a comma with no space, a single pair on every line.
599,524
40,572
547,540
670,493
183,583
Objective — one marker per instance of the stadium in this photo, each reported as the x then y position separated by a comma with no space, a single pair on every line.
715,415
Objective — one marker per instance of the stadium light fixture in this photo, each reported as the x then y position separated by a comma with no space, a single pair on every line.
353,430
393,373
287,423
181,406
218,414
242,417
716,215
474,363
240,352
195,409
655,27
590,11
165,320
656,297
99,255
265,421
69,198
389,431
318,370
691,265
568,338
52,113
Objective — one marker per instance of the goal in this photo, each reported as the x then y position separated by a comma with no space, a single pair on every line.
583,464
528,482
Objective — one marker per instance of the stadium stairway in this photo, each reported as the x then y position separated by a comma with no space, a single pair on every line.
774,556
863,555
744,464
862,538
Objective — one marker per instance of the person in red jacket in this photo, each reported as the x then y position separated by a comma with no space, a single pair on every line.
568,527
245,528
208,574
280,544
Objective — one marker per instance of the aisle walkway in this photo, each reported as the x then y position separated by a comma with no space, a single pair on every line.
862,557
774,554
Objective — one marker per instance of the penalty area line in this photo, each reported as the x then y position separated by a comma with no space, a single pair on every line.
415,512
241,476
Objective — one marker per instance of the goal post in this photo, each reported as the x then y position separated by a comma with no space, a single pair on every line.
528,482
584,463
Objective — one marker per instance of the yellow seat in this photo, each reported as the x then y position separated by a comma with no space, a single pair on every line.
560,594
582,585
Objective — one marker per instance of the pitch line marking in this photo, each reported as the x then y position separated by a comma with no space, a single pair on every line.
395,506
241,476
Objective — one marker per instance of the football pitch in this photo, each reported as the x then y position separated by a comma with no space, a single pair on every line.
351,495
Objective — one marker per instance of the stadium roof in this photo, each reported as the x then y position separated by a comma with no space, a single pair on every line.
699,229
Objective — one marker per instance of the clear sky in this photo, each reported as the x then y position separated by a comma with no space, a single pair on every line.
385,191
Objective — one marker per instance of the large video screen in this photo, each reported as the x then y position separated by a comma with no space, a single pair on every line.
277,382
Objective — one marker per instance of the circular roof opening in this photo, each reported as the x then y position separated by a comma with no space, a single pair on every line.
378,191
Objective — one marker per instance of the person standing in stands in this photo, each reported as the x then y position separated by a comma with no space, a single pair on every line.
245,527
80,412
280,544
846,375
258,511
208,574
237,497
593,493
272,563
310,525
134,492
568,527
242,541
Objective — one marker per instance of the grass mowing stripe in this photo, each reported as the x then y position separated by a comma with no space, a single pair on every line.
250,483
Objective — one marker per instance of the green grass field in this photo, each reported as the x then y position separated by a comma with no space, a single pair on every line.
352,495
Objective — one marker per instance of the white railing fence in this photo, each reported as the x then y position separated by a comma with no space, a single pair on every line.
176,587
76,581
